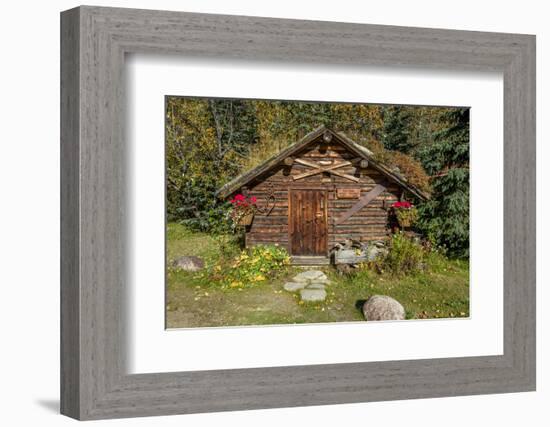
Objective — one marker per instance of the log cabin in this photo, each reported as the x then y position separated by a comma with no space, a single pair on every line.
320,191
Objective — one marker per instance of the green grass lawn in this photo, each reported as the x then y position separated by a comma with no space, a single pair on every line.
195,300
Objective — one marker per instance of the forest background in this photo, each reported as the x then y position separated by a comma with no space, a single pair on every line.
210,141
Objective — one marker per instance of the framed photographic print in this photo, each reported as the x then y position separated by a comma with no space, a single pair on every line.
262,213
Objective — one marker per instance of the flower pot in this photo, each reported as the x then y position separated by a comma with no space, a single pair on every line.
246,219
406,217
404,222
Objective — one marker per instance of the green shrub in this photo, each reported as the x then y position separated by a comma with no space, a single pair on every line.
404,256
228,244
252,266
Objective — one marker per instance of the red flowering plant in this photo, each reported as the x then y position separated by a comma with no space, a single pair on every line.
405,212
243,209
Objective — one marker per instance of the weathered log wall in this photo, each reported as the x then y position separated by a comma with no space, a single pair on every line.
369,223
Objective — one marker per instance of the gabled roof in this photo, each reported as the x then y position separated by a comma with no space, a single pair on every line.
363,152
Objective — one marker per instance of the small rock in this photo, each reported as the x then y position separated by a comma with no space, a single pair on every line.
315,286
312,295
189,263
344,269
382,307
310,275
374,252
294,286
378,243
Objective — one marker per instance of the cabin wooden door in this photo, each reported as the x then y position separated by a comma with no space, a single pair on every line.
307,221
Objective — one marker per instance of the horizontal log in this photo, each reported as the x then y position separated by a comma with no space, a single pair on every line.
264,192
365,214
281,186
267,186
362,218
357,226
364,232
360,226
282,245
279,211
343,203
359,220
253,235
279,242
268,229
376,206
270,219
369,213
278,203
327,155
363,238
374,209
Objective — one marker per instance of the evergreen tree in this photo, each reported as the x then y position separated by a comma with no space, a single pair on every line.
445,217
396,128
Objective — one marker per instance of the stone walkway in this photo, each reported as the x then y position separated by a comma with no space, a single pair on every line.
311,285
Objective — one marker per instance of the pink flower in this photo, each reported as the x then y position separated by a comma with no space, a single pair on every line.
238,199
404,205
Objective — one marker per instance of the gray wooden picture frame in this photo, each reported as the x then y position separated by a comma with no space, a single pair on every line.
94,381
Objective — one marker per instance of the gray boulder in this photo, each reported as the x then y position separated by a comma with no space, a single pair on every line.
382,307
189,263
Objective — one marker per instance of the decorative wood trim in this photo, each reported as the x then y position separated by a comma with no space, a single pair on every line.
318,168
348,193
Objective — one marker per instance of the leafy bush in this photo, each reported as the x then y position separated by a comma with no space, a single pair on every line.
252,266
404,256
228,244
412,170
408,167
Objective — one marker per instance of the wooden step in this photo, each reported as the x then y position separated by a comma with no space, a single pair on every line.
309,260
